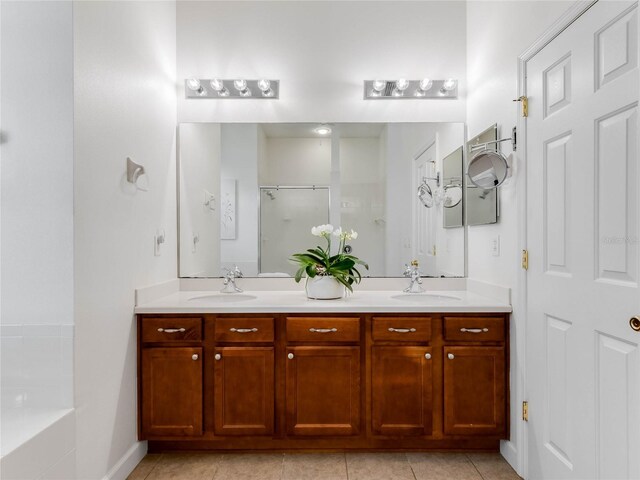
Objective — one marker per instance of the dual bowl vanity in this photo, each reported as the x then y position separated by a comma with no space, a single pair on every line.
271,370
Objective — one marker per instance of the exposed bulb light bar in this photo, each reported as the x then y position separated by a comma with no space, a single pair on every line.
402,88
232,88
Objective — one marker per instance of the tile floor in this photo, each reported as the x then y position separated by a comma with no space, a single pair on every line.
324,466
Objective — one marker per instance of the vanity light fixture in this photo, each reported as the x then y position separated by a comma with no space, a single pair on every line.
217,88
323,130
423,89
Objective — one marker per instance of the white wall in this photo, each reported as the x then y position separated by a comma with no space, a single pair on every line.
295,161
200,153
125,101
508,28
239,157
321,51
36,223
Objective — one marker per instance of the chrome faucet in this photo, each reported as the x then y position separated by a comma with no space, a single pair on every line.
230,280
413,273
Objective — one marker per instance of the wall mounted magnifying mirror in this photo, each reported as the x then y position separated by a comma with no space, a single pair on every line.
425,195
488,169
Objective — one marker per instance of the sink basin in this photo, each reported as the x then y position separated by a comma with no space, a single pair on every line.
424,297
223,298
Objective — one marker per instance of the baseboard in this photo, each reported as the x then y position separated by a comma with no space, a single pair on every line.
126,465
510,453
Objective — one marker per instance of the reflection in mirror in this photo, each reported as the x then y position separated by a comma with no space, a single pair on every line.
488,169
481,205
452,167
250,193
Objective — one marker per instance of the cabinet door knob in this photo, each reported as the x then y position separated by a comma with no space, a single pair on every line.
217,356
451,356
635,323
427,356
290,356
194,356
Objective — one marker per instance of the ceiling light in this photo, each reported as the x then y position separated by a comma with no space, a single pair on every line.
323,130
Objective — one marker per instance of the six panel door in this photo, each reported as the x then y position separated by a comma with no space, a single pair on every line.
474,391
402,384
323,390
172,391
244,391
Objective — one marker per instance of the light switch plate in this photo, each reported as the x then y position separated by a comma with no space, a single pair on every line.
495,246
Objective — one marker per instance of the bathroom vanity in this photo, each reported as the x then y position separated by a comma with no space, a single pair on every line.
283,372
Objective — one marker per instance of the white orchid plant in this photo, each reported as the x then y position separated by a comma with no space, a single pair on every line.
319,261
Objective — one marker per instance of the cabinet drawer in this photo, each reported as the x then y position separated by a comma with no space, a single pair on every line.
401,329
175,329
323,329
237,330
474,329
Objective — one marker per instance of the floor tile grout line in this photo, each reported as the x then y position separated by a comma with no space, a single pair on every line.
474,466
410,466
346,464
282,469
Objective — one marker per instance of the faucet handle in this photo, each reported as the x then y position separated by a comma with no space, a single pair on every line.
237,272
414,263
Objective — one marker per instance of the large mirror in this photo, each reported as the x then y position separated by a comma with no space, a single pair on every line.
249,194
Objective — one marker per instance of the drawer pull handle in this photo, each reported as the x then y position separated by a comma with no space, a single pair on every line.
194,356
474,330
402,330
451,356
217,356
290,356
172,330
243,330
427,356
323,330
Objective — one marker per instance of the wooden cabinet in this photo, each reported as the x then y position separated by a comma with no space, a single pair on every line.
171,396
474,390
244,391
402,385
323,390
323,381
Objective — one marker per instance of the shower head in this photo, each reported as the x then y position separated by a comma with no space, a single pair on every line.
270,194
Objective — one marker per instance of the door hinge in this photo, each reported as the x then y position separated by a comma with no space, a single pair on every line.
525,259
525,411
525,105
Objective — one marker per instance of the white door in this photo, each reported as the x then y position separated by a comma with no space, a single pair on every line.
583,358
424,240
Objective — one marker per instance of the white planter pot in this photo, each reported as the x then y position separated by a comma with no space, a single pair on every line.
324,288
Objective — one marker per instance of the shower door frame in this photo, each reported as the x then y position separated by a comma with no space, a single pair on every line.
285,187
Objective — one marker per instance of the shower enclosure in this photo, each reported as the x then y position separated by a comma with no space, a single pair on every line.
287,214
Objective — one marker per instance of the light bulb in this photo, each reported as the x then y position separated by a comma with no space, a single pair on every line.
449,84
397,93
267,93
264,85
420,93
217,84
402,84
241,85
224,92
245,93
374,93
194,84
379,85
323,130
426,84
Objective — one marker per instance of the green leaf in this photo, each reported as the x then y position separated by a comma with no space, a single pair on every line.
299,274
311,271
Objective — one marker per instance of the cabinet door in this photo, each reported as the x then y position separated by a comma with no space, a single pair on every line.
244,391
172,391
323,390
474,390
402,384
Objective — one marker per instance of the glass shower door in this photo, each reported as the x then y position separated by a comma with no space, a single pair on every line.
286,217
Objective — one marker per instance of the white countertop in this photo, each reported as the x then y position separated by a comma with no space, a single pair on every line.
277,301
